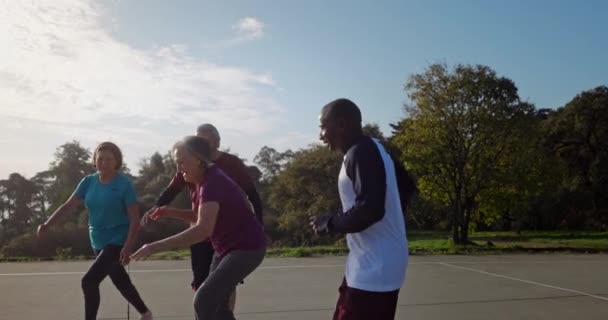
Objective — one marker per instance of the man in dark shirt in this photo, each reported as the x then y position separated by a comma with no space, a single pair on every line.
372,217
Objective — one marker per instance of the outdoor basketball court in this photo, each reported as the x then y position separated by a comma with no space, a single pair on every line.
437,287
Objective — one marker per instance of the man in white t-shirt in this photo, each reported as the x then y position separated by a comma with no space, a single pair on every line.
372,217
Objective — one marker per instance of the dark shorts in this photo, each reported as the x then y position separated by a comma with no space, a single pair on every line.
355,304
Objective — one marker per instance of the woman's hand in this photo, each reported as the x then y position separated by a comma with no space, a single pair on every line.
144,251
125,254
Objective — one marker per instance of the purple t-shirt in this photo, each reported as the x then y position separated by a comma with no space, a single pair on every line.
236,227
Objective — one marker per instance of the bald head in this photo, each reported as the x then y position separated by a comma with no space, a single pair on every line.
342,109
340,124
209,132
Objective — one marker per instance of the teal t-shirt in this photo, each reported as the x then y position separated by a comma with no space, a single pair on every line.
107,204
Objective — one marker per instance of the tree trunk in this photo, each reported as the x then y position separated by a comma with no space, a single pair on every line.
458,225
464,231
456,234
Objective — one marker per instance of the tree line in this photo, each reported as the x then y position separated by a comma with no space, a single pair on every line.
483,159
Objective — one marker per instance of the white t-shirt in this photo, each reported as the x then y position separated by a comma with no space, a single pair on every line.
378,255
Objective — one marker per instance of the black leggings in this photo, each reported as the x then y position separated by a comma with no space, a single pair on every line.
108,263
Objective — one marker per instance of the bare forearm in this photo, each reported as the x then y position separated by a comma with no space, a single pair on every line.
133,230
58,215
194,234
186,215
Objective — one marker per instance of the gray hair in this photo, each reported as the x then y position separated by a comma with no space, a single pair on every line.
196,146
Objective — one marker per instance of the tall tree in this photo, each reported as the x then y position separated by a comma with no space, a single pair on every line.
72,162
463,126
18,204
578,134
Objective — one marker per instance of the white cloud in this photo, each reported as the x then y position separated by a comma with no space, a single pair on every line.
247,29
250,28
64,75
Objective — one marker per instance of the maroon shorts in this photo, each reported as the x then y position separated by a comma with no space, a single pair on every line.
355,304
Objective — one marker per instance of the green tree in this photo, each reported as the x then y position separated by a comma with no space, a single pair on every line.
155,173
373,130
19,204
72,162
307,185
462,128
270,161
578,135
529,171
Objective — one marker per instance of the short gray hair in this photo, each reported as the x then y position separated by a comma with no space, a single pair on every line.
196,146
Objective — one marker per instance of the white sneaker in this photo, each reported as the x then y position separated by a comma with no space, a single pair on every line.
146,316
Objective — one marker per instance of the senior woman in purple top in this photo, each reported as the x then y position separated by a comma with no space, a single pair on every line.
225,217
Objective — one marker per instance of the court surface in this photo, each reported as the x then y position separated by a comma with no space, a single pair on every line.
437,287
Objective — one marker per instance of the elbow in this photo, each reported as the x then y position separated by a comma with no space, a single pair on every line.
194,219
202,232
374,215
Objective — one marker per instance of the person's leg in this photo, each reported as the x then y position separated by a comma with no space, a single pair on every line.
211,299
201,256
91,280
341,303
356,304
123,283
214,263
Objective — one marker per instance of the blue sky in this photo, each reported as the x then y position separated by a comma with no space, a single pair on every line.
144,73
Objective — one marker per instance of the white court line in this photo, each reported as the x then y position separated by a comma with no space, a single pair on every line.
520,262
164,270
524,281
310,266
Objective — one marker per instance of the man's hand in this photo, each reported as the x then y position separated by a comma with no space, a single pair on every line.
145,219
320,224
159,212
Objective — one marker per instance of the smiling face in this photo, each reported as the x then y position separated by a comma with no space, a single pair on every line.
192,167
340,124
332,130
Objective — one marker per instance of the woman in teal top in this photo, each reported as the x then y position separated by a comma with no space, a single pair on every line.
113,224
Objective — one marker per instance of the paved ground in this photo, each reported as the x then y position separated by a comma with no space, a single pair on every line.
437,287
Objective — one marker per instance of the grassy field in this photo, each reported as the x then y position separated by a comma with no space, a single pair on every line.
510,242
423,242
480,243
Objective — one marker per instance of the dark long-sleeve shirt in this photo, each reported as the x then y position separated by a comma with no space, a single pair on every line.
372,218
364,168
